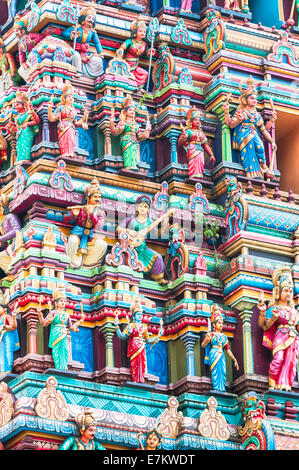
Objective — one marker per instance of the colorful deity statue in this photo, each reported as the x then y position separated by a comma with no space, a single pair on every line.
152,439
66,115
8,68
215,343
85,434
137,334
246,123
3,148
186,6
137,227
26,42
195,143
280,323
9,226
84,245
60,322
85,61
9,337
133,49
130,134
232,5
24,121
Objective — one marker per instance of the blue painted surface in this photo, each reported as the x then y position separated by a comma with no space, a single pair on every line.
265,11
157,361
82,348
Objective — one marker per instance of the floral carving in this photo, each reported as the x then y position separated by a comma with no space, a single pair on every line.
51,403
212,423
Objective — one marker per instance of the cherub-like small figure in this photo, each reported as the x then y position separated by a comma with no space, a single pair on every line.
195,143
66,115
60,322
85,434
130,134
137,335
153,440
215,343
9,338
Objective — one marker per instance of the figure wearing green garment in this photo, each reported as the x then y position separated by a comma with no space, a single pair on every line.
60,322
24,122
130,134
85,434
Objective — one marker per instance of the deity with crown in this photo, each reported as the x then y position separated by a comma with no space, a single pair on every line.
195,143
85,61
84,438
216,343
280,323
85,247
60,322
247,123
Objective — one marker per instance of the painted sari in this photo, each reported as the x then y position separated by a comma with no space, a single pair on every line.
66,130
8,344
133,51
136,352
195,152
215,359
58,339
25,137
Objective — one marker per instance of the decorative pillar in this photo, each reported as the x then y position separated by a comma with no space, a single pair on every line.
13,147
32,334
226,141
107,139
189,341
45,125
108,332
245,315
173,135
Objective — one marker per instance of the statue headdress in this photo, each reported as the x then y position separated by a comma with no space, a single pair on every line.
85,420
59,293
20,22
217,313
249,88
126,103
67,90
4,298
136,24
192,114
89,10
281,277
92,188
4,200
21,97
144,198
136,305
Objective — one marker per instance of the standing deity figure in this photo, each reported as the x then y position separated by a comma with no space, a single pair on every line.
280,323
9,226
84,246
129,133
3,149
195,143
137,227
86,62
138,335
66,115
60,322
24,121
9,337
215,343
186,6
152,440
85,434
26,42
133,49
246,122
8,68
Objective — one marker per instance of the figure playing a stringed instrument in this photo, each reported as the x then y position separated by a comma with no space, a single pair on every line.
246,123
138,227
138,335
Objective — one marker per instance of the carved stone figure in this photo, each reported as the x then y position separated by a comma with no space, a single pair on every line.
195,143
214,35
24,121
85,434
26,42
246,123
164,68
215,342
85,247
85,61
130,134
9,337
60,322
9,226
66,115
137,334
8,68
280,323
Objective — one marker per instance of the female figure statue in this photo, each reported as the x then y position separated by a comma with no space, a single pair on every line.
138,335
66,114
134,48
280,323
141,222
60,322
24,122
195,143
130,134
9,338
215,343
247,122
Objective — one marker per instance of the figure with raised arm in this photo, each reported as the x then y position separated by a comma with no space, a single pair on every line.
9,338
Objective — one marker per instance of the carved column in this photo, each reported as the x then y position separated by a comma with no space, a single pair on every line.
107,140
32,334
245,315
226,141
189,341
108,332
13,147
45,123
173,136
